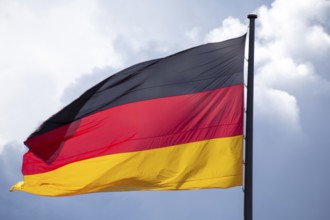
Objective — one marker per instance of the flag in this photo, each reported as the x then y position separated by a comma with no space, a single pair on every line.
174,123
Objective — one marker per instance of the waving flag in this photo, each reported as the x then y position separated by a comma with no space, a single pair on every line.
167,124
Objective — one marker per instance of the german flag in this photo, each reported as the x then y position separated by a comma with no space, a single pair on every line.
174,123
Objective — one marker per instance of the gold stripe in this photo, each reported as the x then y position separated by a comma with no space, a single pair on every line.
215,163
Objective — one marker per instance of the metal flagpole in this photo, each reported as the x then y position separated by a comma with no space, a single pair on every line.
248,185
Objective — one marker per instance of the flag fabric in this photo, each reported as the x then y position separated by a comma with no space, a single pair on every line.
173,123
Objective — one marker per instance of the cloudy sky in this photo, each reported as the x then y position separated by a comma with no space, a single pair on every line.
52,51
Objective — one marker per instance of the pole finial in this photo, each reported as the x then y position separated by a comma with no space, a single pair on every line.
252,16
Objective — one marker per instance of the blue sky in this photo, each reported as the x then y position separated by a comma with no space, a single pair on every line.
52,51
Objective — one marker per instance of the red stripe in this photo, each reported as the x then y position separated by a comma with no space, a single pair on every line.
140,126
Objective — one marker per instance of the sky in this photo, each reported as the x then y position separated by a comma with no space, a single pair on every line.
52,51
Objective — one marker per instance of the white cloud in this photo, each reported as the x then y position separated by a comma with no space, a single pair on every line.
283,73
193,35
63,41
231,27
278,107
291,36
2,143
44,47
295,28
25,98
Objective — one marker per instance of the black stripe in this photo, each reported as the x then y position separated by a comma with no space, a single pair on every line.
198,69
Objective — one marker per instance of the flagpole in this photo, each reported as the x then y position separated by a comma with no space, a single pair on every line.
248,185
